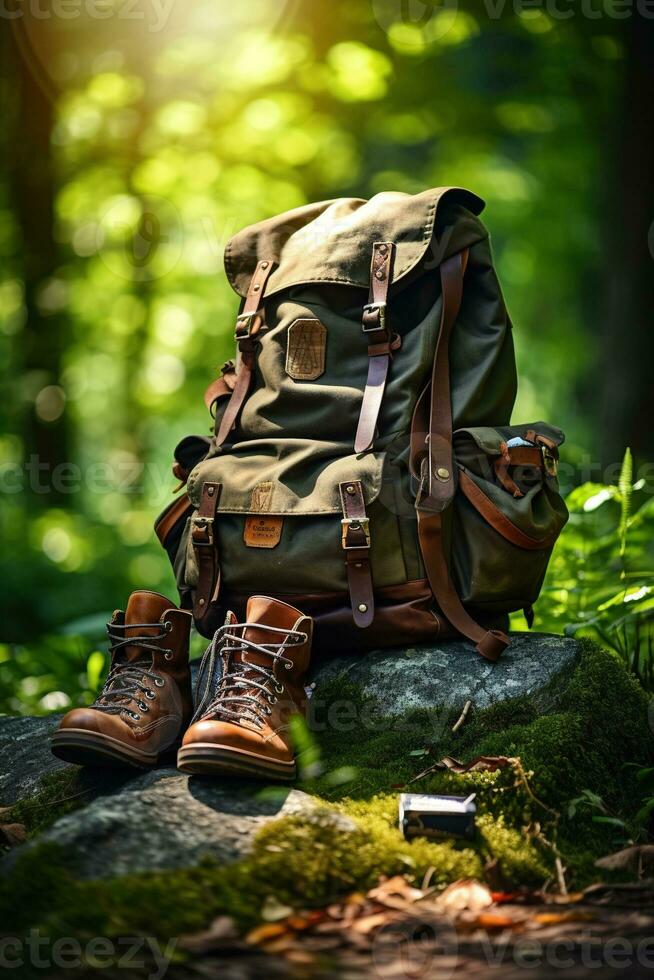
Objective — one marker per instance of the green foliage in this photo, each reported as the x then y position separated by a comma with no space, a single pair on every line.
526,814
600,582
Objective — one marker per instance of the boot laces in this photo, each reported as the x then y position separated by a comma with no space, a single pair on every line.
127,680
246,690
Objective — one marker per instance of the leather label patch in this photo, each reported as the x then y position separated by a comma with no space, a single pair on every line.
305,351
262,531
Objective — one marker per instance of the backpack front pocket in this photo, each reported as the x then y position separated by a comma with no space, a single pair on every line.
507,514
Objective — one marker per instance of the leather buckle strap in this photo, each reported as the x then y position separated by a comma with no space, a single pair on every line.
355,540
206,553
202,531
381,343
372,311
355,532
432,461
248,325
244,326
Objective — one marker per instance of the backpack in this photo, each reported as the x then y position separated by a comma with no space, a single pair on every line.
362,464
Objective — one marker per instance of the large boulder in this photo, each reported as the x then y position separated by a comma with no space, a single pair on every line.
131,822
163,819
450,674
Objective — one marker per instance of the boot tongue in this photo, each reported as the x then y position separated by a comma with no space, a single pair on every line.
144,607
267,612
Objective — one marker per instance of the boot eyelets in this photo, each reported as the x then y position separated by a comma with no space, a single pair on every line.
135,716
150,695
168,626
279,688
168,655
159,681
143,707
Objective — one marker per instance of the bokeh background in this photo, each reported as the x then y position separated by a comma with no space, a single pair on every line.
136,138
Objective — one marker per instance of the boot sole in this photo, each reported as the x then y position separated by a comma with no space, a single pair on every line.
84,748
212,760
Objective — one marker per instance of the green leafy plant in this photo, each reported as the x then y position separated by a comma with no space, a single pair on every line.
600,581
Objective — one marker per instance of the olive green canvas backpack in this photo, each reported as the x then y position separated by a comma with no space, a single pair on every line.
362,464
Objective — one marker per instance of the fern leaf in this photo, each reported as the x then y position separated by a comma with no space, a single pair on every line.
626,489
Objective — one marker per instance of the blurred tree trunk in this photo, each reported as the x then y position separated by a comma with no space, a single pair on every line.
625,382
31,192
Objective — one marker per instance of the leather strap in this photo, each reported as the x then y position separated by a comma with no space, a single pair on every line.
432,433
499,521
205,545
516,456
248,325
489,643
381,343
356,544
224,385
432,460
173,513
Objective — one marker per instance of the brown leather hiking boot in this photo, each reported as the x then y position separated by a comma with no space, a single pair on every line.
242,722
146,701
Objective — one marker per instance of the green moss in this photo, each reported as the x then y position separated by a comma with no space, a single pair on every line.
599,725
59,793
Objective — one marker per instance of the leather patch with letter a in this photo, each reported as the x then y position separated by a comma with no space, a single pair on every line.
262,531
305,351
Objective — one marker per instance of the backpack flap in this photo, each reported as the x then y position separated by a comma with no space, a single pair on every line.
294,524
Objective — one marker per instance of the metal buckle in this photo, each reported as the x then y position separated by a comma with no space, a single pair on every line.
375,308
355,524
203,524
244,325
550,461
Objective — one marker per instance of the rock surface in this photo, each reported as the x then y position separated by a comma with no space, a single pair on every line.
164,819
25,755
453,673
133,822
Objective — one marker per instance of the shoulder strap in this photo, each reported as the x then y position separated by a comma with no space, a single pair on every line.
381,343
432,462
248,325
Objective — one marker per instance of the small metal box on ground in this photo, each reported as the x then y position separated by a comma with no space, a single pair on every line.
434,816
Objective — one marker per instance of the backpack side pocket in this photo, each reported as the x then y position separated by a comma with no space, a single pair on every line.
507,514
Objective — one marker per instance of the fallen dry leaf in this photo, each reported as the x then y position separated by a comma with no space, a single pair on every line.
266,933
492,921
300,957
395,893
302,922
12,834
274,911
482,763
464,894
368,923
281,944
221,934
572,898
557,918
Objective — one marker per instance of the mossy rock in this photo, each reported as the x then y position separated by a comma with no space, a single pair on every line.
594,738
